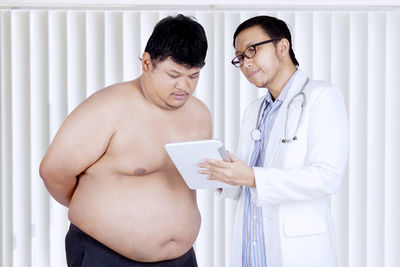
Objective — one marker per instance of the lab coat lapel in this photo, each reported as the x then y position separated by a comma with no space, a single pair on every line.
277,131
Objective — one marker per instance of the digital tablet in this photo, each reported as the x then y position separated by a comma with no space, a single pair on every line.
186,155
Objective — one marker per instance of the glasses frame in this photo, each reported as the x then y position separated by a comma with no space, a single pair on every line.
243,55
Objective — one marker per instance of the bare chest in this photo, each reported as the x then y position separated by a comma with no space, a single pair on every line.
138,147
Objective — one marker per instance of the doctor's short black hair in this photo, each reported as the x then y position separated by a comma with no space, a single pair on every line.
274,27
181,38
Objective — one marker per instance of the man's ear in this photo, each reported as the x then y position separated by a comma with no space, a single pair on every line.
147,65
283,47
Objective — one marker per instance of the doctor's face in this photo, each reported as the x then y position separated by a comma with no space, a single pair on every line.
262,69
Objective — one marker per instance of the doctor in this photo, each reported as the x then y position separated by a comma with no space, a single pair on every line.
291,156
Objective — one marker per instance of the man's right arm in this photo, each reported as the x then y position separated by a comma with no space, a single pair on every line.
81,140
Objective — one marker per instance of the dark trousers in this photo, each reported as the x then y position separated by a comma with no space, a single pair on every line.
85,251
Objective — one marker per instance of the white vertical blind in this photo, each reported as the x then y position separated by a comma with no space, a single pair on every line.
76,58
6,141
94,51
392,144
131,45
339,72
21,146
113,47
51,60
375,139
39,69
357,216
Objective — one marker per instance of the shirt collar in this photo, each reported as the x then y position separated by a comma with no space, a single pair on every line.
282,95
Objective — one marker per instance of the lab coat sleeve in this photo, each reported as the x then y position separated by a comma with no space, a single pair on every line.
325,162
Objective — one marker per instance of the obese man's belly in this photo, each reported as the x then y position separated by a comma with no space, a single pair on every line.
145,218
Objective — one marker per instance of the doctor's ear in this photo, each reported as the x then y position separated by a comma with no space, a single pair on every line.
283,47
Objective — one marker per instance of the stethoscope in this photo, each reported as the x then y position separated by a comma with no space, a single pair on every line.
256,132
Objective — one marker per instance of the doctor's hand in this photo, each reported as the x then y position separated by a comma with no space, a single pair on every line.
234,173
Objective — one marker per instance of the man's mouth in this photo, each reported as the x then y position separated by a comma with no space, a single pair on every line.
252,73
179,96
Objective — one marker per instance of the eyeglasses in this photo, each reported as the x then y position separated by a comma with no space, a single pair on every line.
249,52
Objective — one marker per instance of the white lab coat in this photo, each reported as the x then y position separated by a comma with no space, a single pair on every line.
297,180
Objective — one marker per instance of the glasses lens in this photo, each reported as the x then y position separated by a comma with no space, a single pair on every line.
237,61
250,51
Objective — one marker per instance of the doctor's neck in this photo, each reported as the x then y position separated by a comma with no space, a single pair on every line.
278,82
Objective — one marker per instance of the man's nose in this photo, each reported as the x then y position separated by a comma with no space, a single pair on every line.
181,83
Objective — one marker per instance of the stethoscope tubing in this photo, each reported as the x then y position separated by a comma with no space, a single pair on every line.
256,133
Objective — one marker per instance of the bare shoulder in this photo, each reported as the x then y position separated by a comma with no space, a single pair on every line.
199,105
100,111
200,116
111,99
115,93
200,110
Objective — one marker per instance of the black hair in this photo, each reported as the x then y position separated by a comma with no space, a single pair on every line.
181,38
275,28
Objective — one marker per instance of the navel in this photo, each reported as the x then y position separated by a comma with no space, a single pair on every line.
139,171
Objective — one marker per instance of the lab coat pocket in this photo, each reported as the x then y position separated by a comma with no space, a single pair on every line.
304,226
306,242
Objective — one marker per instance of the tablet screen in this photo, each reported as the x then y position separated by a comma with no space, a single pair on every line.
186,155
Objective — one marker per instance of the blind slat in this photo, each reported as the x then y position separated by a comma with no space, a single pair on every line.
392,143
375,140
6,141
39,135
358,128
20,139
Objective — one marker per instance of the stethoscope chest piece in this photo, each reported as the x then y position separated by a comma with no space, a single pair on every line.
256,135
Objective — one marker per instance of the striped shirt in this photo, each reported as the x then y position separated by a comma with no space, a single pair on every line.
253,242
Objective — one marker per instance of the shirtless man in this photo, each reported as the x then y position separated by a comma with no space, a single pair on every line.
128,204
